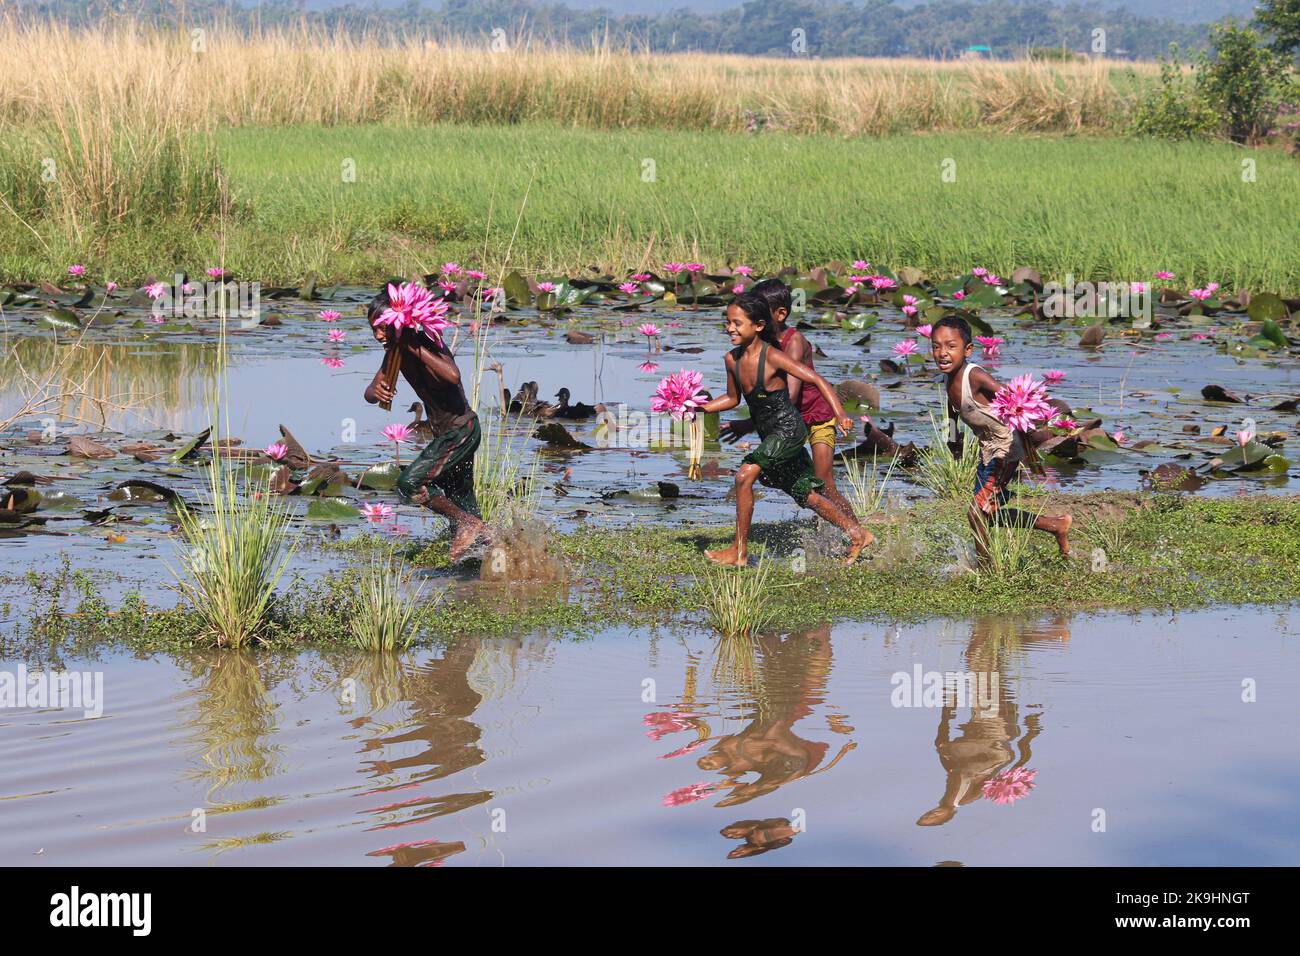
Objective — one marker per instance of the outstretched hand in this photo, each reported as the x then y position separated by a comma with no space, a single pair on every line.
732,431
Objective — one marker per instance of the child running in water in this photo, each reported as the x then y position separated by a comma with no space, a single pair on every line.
969,389
442,476
780,461
813,407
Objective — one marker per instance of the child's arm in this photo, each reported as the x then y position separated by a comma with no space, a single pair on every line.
728,401
439,364
796,350
782,363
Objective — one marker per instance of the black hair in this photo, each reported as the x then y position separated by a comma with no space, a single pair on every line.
954,322
755,305
776,292
377,306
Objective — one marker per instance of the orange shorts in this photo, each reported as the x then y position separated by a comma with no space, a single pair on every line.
822,433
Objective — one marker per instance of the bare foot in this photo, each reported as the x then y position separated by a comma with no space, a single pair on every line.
728,557
421,495
1063,533
863,539
467,534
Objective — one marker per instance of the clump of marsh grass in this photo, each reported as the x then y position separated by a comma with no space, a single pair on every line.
1011,546
382,614
867,487
503,484
946,477
1113,536
233,553
738,601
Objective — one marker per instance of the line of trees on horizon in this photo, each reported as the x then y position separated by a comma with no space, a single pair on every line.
941,29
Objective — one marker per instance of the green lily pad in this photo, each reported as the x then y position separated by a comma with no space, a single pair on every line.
1267,307
381,477
331,509
190,447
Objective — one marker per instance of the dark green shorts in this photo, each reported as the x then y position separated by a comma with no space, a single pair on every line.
786,466
446,465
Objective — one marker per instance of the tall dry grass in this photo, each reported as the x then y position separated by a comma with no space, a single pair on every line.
304,75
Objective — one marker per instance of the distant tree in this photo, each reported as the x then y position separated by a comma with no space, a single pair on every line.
1281,20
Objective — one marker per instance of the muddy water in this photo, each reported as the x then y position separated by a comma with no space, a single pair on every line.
132,383
667,748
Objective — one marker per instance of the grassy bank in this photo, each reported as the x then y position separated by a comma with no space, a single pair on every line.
542,197
1160,552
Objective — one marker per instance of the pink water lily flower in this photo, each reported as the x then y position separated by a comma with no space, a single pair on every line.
905,348
447,287
1201,294
546,287
475,276
155,290
991,344
332,362
648,329
1053,375
410,306
628,287
398,433
1009,785
743,271
959,294
111,287
1063,421
683,795
862,265
76,270
673,268
640,276
1199,336
1244,437
329,315
992,279
738,288
337,335
679,394
1120,438
1211,287
909,310
277,450
1164,336
979,271
1165,275
859,280
925,330
1137,287
215,272
694,267
909,299
451,268
1022,403
883,282
377,512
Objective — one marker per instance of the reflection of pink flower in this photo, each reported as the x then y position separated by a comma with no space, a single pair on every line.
1010,785
693,746
905,348
1199,336
277,450
1164,336
332,362
662,722
738,288
377,512
649,367
1022,403
329,315
696,791
679,394
1053,375
398,433
925,330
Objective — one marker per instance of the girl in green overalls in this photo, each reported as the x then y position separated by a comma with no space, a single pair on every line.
780,461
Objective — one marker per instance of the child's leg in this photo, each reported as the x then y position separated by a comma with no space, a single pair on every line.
860,537
465,527
823,457
1057,527
738,553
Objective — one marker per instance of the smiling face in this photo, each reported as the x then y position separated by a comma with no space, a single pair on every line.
740,328
949,349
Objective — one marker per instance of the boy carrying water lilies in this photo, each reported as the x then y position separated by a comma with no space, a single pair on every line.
442,476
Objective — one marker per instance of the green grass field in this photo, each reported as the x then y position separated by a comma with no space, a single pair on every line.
545,198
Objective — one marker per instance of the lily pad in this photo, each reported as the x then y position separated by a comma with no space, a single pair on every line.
331,509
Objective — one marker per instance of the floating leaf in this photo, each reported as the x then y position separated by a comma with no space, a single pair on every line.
190,447
381,477
331,509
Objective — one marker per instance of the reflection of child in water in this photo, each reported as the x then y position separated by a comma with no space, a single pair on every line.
985,745
759,836
795,672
